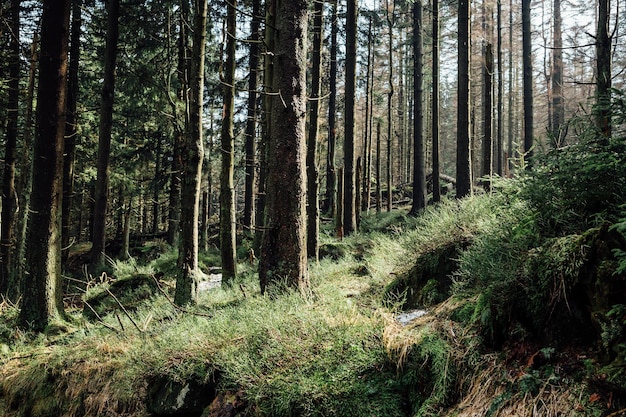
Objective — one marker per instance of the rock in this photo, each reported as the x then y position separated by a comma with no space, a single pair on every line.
173,398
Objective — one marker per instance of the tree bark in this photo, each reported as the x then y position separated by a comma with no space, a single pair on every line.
313,212
349,213
104,139
8,283
228,225
331,177
528,82
193,154
435,103
487,93
558,104
463,154
42,284
284,255
379,193
603,71
390,25
419,171
71,127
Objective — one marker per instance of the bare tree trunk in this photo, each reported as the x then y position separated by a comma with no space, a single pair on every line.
369,110
487,93
463,154
603,71
390,25
558,103
331,177
379,193
499,104
104,139
349,214
193,154
283,258
313,212
42,296
71,128
419,174
435,104
528,82
8,283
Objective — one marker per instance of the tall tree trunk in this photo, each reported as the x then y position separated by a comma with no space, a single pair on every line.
528,82
500,87
284,255
603,71
26,178
331,177
558,103
349,213
313,212
156,188
193,154
379,192
463,154
390,25
369,110
419,173
71,127
8,283
435,104
510,150
104,139
42,297
251,122
487,93
228,225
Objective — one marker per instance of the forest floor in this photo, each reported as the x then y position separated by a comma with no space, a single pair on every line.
510,324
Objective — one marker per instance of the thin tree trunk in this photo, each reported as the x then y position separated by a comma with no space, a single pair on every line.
313,212
193,154
340,205
251,122
331,177
603,71
42,296
558,104
104,139
435,104
8,283
367,151
349,214
379,192
463,154
487,93
156,188
228,226
528,82
71,127
419,174
390,25
511,152
500,87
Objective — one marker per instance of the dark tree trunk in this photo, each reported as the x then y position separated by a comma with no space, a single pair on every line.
379,192
193,154
251,123
390,24
487,93
71,128
528,82
283,258
419,171
558,103
156,187
435,103
349,213
228,230
331,177
463,155
42,297
499,119
367,144
104,139
603,70
8,283
313,212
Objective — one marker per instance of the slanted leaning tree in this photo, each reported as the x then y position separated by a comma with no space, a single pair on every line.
283,251
41,286
192,155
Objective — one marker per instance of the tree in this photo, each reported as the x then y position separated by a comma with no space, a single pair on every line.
558,104
435,104
603,71
104,138
419,174
192,155
42,284
528,81
331,177
228,230
251,122
71,125
390,14
283,254
313,214
487,93
349,213
463,155
8,284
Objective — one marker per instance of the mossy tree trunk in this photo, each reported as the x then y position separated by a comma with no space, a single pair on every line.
193,154
349,187
283,253
228,229
41,286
